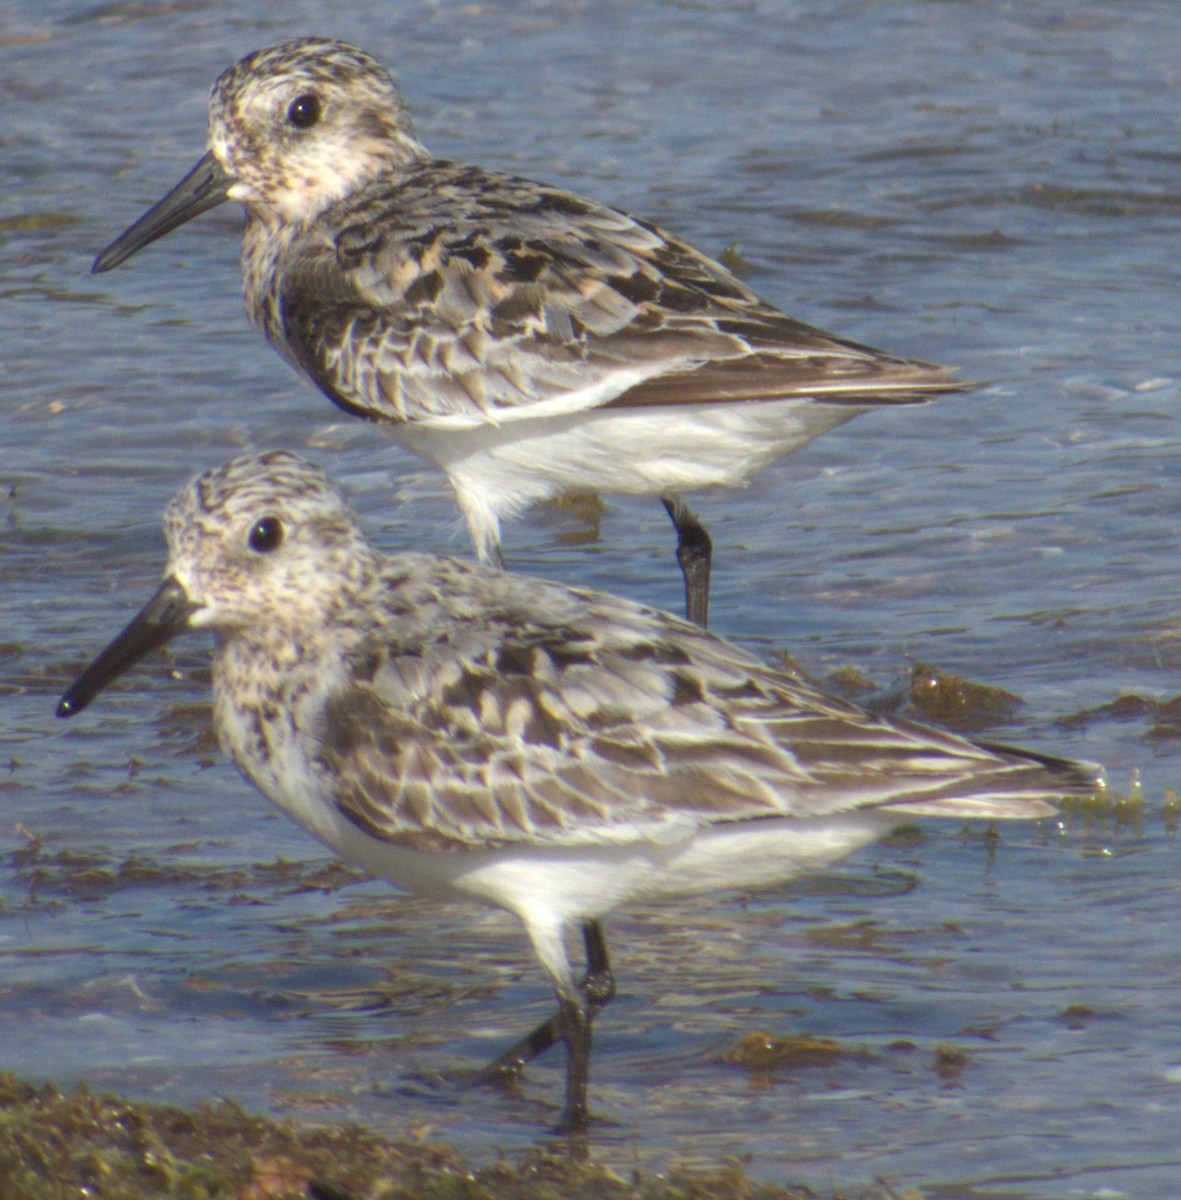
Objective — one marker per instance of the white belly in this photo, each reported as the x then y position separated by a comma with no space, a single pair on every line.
642,451
499,470
572,883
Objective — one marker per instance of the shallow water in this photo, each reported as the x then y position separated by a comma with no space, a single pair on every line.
988,185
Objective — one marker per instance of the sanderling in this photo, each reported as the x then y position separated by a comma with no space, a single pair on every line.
464,732
527,340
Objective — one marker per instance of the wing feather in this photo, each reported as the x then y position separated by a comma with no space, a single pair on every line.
447,291
608,721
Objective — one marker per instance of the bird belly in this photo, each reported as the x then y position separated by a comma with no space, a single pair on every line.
641,451
561,883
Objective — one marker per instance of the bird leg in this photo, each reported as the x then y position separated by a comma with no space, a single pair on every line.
597,990
574,1022
598,984
694,553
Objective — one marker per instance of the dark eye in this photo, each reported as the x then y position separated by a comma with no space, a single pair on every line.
304,111
265,535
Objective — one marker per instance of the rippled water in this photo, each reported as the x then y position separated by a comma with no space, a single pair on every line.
989,185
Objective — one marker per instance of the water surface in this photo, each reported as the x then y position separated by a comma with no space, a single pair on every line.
987,185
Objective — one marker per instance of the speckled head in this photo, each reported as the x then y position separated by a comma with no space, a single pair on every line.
248,483
263,549
292,129
304,123
266,538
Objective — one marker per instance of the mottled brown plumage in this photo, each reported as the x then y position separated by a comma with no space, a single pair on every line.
527,340
467,732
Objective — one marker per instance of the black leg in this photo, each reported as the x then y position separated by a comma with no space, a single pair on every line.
694,553
598,990
598,984
507,1067
574,1021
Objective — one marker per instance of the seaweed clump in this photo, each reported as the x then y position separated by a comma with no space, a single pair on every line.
56,1145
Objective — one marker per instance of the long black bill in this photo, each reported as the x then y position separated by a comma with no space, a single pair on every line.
165,615
204,187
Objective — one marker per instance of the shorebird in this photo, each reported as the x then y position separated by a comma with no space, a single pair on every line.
467,733
527,340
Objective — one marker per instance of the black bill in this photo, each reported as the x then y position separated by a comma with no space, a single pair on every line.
204,187
165,615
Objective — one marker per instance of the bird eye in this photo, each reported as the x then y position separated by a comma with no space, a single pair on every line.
265,535
304,111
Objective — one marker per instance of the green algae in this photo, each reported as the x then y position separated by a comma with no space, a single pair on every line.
759,1052
957,702
1161,718
1121,811
58,1145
